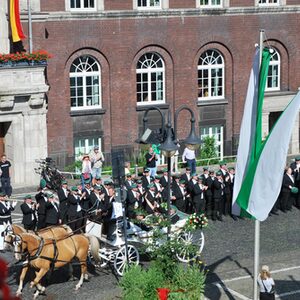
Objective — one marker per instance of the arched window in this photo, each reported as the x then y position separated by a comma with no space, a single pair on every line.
150,79
211,75
85,83
273,79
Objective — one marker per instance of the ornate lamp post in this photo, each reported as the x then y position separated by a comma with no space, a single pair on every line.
168,141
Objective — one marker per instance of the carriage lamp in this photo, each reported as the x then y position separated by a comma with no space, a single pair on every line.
192,141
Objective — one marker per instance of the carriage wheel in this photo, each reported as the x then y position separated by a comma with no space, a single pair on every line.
120,259
190,245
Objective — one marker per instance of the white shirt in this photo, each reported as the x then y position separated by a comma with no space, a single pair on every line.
291,177
188,154
267,282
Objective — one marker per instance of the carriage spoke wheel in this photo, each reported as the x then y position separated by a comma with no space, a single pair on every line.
190,245
120,259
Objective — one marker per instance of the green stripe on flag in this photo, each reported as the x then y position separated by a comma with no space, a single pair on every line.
244,193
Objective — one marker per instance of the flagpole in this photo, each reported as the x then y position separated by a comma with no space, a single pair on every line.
257,223
29,25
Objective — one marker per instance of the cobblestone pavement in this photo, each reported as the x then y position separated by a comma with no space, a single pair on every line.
228,255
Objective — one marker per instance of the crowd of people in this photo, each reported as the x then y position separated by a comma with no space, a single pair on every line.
210,192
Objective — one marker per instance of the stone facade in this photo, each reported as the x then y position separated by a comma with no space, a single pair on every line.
23,110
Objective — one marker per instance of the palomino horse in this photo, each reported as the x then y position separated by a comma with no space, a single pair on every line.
44,254
53,232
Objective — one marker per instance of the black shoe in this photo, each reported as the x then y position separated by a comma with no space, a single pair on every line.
2,251
220,218
234,217
275,213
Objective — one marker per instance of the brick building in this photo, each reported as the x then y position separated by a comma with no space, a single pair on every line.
112,59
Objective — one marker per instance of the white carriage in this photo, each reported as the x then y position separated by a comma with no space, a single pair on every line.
113,251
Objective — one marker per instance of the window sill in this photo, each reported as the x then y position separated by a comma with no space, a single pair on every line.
207,102
87,112
278,93
145,107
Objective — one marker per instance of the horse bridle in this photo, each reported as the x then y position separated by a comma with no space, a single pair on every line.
27,256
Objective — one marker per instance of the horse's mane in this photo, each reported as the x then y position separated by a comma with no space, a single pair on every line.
36,237
18,226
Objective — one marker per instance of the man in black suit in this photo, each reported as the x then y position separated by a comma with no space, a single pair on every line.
74,210
209,182
164,179
146,179
218,196
41,200
62,194
52,211
189,207
141,191
85,201
132,201
295,166
288,183
180,195
187,175
28,209
128,182
151,204
198,195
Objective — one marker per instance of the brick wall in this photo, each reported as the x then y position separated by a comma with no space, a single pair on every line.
118,44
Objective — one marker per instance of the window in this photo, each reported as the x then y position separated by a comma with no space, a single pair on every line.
83,4
85,82
273,79
268,2
211,75
150,77
149,3
217,133
211,3
85,145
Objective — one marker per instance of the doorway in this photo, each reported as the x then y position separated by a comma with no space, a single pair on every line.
4,126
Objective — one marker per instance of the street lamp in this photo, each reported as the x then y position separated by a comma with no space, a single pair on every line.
168,141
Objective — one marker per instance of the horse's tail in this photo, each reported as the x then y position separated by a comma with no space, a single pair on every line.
94,243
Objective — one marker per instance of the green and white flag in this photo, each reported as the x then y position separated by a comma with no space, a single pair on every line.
247,137
263,162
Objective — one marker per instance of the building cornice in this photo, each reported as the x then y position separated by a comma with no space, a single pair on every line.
164,13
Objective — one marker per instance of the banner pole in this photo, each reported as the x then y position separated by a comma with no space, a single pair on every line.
29,25
257,223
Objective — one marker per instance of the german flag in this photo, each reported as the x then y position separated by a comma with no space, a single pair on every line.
15,23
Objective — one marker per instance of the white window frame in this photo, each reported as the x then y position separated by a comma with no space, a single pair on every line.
163,4
99,6
149,71
219,137
272,64
268,3
209,68
86,148
210,5
84,75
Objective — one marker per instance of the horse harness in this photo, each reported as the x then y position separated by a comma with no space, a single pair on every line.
53,260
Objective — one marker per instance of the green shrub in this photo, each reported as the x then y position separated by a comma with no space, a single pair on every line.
208,151
164,272
138,283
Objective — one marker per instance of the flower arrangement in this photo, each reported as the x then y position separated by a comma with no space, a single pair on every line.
196,221
35,56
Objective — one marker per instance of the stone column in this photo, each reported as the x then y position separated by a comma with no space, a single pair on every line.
4,41
35,142
294,143
265,124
